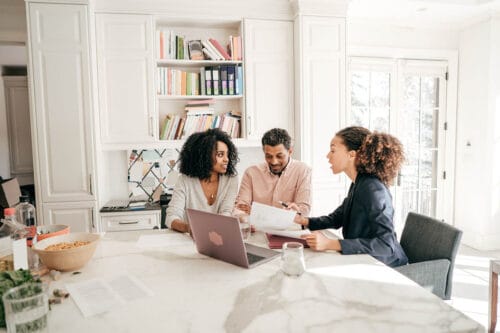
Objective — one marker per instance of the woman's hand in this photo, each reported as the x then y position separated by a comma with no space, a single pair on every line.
319,242
181,226
299,219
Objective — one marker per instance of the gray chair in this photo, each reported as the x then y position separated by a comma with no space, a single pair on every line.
431,247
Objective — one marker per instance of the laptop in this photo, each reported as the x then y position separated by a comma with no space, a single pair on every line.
219,237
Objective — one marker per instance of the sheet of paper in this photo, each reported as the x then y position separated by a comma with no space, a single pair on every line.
101,295
288,233
163,240
268,217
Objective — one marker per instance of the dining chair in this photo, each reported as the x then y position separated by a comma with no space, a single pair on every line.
493,298
431,247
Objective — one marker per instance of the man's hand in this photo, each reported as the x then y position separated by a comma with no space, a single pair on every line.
244,208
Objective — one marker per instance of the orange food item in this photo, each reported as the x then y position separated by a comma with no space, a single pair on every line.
66,245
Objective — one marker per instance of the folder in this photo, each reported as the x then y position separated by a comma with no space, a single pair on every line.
223,80
215,80
276,242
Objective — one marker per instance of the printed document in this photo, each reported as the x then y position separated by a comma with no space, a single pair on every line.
101,295
268,217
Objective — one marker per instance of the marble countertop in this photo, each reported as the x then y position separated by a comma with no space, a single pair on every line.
195,293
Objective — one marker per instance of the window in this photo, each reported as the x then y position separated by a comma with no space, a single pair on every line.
406,98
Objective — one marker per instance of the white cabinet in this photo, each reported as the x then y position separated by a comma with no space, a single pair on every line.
61,112
126,78
79,216
130,220
321,87
269,76
18,121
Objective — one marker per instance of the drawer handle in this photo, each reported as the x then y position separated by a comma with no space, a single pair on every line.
129,222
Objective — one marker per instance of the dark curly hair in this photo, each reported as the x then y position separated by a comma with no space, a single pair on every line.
197,154
377,154
277,136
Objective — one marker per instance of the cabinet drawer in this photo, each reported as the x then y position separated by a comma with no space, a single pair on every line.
130,221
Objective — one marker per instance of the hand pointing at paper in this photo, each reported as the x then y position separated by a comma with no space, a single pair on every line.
299,219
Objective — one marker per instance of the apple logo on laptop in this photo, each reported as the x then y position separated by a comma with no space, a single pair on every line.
215,238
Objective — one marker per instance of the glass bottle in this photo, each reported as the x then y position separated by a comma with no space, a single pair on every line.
25,211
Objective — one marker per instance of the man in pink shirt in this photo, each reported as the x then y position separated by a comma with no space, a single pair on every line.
279,179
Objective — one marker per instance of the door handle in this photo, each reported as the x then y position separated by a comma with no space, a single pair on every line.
128,222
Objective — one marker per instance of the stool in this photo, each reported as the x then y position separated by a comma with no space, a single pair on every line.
493,301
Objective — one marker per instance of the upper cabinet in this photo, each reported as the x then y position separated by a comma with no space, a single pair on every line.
270,80
18,120
162,79
125,78
61,109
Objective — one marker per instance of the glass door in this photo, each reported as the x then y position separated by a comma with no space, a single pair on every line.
406,98
421,130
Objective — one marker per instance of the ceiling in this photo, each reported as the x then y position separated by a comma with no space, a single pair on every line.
424,13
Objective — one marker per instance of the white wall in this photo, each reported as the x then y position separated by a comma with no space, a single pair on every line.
477,192
10,55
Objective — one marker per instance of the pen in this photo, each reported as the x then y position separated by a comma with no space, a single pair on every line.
284,204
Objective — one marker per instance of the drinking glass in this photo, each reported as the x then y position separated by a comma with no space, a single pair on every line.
292,259
27,308
244,226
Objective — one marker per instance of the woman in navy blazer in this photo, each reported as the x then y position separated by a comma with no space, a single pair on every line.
371,161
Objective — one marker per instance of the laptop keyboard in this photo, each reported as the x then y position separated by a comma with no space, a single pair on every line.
253,258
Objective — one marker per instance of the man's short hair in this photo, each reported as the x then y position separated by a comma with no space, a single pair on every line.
277,136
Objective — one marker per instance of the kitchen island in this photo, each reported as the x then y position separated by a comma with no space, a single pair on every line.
195,293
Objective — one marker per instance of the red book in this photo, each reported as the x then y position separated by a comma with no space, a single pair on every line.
220,48
276,242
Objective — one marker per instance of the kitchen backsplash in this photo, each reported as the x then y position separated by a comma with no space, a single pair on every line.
151,171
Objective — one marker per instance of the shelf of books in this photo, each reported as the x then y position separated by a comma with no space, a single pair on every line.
199,78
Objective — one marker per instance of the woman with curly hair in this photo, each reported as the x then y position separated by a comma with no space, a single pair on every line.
208,178
371,161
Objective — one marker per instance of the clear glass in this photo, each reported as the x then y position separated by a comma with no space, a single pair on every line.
244,226
27,308
292,259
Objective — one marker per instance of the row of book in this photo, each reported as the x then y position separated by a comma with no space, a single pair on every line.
174,46
180,127
210,80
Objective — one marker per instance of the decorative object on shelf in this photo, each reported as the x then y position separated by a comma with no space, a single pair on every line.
149,170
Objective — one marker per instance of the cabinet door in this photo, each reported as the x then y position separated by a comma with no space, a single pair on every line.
126,78
321,41
18,120
269,76
59,55
79,216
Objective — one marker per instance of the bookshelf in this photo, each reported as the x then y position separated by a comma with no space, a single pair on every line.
181,80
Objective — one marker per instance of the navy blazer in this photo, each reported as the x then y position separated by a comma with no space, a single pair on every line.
365,217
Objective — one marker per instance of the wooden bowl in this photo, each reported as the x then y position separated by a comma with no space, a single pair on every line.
69,259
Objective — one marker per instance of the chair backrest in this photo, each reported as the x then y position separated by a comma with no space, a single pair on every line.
425,238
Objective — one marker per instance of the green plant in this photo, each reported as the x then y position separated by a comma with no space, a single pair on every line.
11,279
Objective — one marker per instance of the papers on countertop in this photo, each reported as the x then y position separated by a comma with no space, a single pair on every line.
287,233
269,217
101,295
163,240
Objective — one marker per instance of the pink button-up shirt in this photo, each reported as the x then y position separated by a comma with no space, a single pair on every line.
261,185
